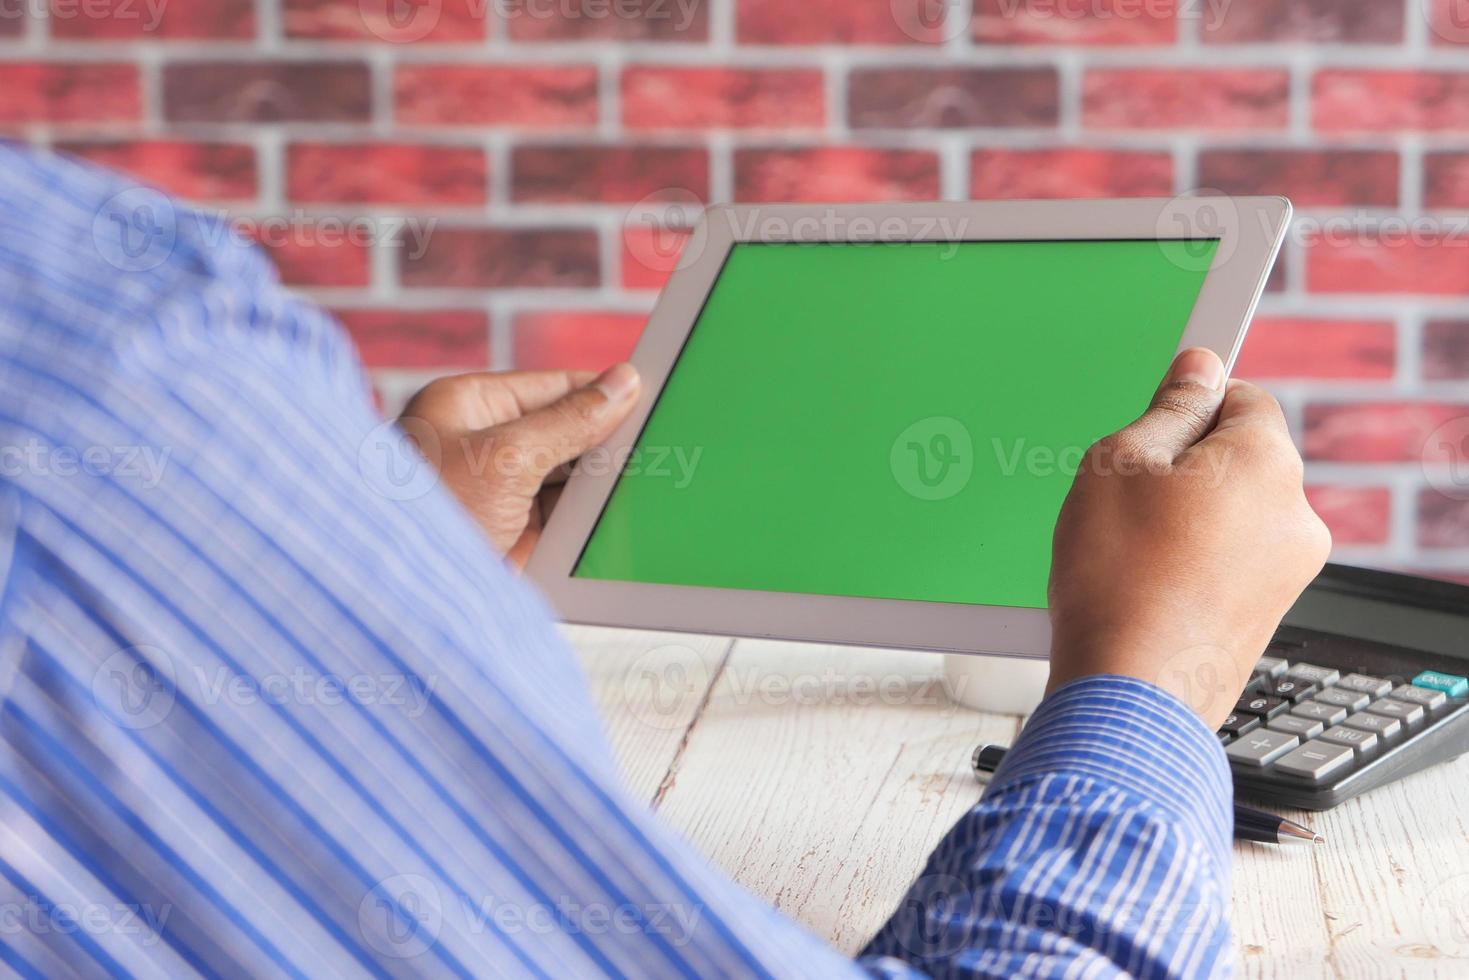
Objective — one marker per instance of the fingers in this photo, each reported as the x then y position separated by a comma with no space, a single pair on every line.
466,402
1246,405
557,433
1182,411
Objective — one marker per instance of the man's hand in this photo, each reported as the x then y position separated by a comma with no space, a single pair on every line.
1185,539
503,439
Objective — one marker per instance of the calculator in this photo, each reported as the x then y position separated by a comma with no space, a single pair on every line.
1366,681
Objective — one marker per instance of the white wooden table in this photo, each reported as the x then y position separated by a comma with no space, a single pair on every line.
821,777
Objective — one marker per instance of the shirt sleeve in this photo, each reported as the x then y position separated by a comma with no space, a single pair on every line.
1101,848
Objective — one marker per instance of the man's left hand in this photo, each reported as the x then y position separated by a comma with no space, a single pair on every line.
504,440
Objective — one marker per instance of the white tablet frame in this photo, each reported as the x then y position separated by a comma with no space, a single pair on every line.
1250,230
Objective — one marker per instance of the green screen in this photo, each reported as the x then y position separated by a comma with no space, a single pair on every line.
892,420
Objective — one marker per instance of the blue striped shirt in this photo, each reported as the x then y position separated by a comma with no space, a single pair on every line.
261,716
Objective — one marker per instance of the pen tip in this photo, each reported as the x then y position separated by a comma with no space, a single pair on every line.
1319,839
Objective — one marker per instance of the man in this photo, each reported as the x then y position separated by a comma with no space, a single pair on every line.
209,763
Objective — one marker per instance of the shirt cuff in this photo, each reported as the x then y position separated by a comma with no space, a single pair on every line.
1134,736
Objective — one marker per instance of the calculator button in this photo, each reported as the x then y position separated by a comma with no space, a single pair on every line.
1320,676
1315,759
1408,713
1289,688
1371,686
1327,714
1224,737
1382,725
1271,666
1238,723
1296,725
1262,705
1351,700
1363,741
1432,701
1451,685
1260,747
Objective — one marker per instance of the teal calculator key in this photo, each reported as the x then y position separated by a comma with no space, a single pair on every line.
1451,684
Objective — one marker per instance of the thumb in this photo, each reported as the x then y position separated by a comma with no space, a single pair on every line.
539,441
1183,409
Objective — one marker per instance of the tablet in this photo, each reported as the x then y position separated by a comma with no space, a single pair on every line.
858,423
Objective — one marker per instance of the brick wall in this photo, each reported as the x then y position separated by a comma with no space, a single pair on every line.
476,162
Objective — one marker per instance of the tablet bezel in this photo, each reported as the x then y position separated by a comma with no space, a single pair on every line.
1250,230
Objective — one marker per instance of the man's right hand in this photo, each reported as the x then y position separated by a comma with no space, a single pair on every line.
1185,539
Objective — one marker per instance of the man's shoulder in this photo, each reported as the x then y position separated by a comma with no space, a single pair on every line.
106,275
76,232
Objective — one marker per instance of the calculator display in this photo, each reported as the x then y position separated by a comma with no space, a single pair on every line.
1350,614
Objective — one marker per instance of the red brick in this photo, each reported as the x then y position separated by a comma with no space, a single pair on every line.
608,174
952,98
266,91
385,173
1212,99
836,174
1374,432
1320,21
1350,100
523,96
396,338
308,260
575,340
840,22
428,21
1446,180
1443,521
136,20
684,21
69,93
202,171
505,258
649,255
1069,172
1355,515
1310,178
1104,22
1403,261
1446,350
1289,347
726,98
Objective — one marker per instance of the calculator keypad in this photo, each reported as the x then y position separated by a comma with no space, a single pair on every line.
1289,688
1381,725
1373,687
1311,722
1351,700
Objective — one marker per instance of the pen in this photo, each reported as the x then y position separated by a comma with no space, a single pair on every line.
1249,823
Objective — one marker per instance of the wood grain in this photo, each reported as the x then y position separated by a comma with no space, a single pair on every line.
821,777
